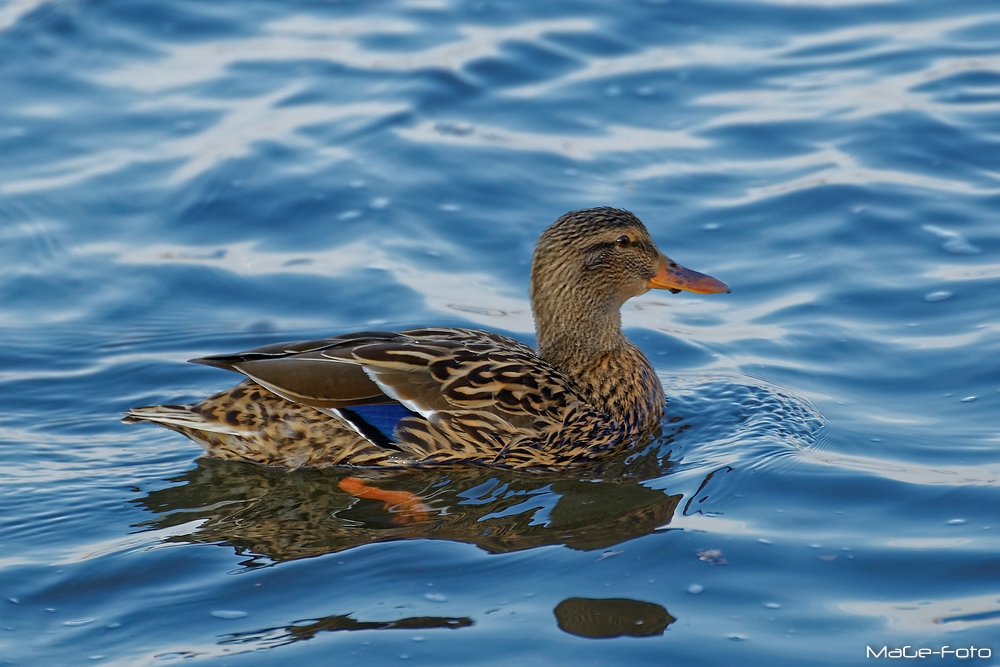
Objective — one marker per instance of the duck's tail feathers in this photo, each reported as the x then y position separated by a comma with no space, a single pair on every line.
184,418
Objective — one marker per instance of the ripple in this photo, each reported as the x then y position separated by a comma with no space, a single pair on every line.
14,10
734,419
615,139
938,616
332,40
952,241
911,473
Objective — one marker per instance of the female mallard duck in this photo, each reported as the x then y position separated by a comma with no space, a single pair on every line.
439,395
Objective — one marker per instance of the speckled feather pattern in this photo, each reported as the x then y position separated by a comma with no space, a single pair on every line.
249,423
503,406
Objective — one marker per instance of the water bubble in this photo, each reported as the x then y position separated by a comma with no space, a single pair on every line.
645,91
358,184
695,589
764,541
112,626
613,91
228,614
934,297
417,639
955,522
450,208
711,226
349,215
772,605
14,600
379,203
435,597
969,399
736,638
78,622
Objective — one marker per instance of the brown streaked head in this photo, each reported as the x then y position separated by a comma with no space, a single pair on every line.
607,255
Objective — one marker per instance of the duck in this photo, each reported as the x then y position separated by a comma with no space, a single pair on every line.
442,395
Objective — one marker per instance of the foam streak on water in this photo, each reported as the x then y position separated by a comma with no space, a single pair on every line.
180,179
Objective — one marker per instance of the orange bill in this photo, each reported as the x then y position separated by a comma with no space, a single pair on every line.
674,277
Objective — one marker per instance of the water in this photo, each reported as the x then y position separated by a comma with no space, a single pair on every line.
180,179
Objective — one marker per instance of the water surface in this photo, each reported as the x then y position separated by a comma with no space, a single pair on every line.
180,179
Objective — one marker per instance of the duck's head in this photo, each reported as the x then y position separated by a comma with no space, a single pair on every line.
608,254
590,262
586,265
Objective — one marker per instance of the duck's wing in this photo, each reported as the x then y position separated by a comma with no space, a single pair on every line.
300,372
439,372
431,371
468,395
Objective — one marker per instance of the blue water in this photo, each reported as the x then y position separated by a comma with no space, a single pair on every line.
179,179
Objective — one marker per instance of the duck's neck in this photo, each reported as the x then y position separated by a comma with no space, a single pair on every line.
588,345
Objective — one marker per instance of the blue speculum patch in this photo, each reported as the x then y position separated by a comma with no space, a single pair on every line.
380,418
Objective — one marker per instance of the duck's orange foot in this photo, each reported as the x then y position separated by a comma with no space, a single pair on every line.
406,508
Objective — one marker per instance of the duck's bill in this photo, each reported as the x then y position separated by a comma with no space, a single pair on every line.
676,278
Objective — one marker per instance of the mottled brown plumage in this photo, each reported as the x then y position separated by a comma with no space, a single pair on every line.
473,396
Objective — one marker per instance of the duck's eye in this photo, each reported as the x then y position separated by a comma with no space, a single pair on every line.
622,241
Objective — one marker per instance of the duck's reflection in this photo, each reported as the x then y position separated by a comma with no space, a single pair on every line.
280,515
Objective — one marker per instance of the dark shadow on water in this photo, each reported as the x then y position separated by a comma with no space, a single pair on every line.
303,630
276,515
584,617
612,617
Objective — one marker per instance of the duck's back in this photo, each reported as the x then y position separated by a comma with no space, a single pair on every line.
422,396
